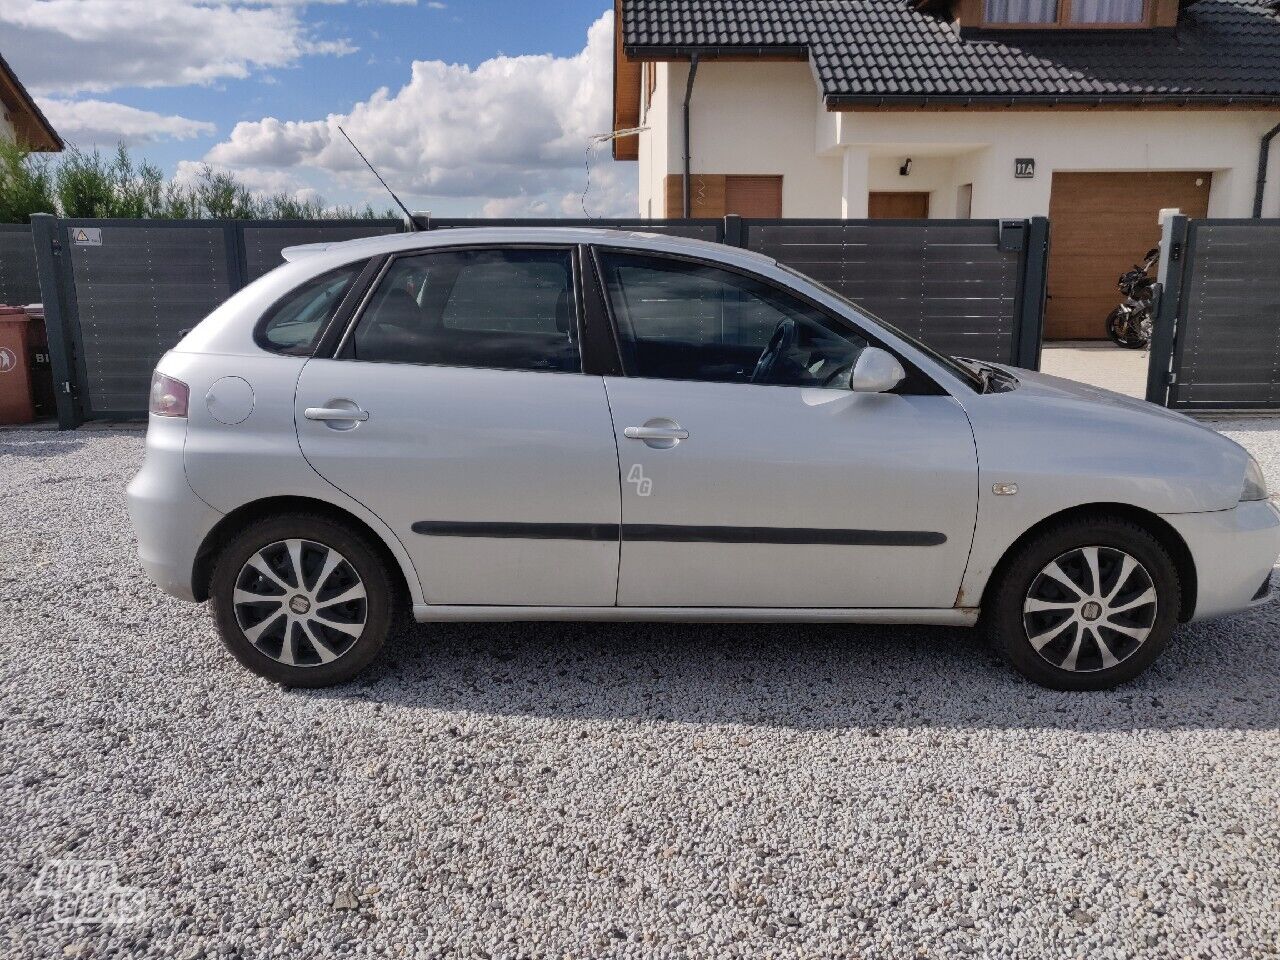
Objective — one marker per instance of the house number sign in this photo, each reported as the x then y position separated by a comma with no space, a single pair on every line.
1024,168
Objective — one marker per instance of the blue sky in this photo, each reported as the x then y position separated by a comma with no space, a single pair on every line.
248,85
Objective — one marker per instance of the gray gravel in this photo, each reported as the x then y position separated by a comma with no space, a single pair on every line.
588,791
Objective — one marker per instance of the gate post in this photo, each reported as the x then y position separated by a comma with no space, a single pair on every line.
1029,335
50,264
733,235
1164,322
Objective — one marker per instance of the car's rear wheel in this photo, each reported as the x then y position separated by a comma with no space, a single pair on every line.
1086,605
302,600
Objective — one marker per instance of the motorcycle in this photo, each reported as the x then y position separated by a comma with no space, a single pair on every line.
1129,325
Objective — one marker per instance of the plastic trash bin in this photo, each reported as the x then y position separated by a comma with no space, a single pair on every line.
41,365
16,341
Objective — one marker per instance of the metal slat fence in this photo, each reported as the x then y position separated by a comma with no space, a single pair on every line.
118,293
19,283
1216,344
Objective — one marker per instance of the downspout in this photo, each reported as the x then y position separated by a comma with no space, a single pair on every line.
688,158
1264,156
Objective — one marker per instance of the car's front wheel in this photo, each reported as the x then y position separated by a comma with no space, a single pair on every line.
1085,605
302,600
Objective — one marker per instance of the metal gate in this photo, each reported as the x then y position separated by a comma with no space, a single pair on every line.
19,284
119,293
969,288
972,288
1216,338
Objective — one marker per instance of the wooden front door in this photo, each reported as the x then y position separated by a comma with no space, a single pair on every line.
1100,225
898,206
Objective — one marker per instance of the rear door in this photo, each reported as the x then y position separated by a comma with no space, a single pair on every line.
456,410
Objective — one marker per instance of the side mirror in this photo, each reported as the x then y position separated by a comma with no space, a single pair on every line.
877,371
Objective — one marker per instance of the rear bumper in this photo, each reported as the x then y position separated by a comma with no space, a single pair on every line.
1234,552
169,520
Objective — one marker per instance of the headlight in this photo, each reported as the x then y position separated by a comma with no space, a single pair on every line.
1255,484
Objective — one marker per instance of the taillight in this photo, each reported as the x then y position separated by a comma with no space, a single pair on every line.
168,396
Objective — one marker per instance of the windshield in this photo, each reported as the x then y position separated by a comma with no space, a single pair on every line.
960,370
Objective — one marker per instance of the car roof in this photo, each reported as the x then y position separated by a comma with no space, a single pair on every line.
455,236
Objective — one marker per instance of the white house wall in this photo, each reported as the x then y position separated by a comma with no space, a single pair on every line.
761,122
986,143
767,118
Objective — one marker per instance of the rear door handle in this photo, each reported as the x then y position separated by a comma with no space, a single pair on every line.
338,414
335,413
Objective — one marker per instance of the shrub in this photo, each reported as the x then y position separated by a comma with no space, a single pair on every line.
90,185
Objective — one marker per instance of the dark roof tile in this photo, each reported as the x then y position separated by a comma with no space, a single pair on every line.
872,48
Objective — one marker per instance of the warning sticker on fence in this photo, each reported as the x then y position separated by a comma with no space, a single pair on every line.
86,236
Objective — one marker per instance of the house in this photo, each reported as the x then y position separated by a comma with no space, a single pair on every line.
20,118
1095,113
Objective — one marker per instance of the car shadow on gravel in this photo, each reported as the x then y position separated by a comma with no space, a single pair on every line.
1223,675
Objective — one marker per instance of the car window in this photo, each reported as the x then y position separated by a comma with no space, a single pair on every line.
504,309
957,369
679,320
295,323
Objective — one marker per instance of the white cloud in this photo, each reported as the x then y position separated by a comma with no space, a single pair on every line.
509,133
89,123
263,182
70,46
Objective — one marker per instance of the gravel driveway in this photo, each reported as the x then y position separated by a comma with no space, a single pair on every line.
604,790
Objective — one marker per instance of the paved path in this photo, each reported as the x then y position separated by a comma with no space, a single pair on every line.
1098,362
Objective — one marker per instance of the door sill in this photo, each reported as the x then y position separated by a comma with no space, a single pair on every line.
443,613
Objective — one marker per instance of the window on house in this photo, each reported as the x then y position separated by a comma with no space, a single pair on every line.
1053,13
1022,11
1107,11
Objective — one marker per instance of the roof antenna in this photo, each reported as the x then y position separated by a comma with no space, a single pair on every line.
413,226
594,143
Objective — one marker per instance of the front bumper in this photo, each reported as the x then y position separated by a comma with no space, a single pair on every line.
1234,553
170,521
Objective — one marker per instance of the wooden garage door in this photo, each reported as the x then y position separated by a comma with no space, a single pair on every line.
1100,225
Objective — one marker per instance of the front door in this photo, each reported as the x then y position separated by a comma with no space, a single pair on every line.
898,205
752,475
456,411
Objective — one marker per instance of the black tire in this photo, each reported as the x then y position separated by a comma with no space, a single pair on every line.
1129,342
360,565
1011,628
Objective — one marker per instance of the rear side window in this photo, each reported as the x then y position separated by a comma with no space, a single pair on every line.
509,309
295,323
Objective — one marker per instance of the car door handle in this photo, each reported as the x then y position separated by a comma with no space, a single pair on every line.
656,433
338,414
335,413
660,433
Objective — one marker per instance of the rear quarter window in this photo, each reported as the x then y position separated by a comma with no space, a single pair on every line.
294,324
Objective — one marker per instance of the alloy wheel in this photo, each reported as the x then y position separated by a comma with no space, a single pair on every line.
300,603
1090,609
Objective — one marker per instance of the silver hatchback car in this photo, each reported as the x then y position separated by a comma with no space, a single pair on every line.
555,424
